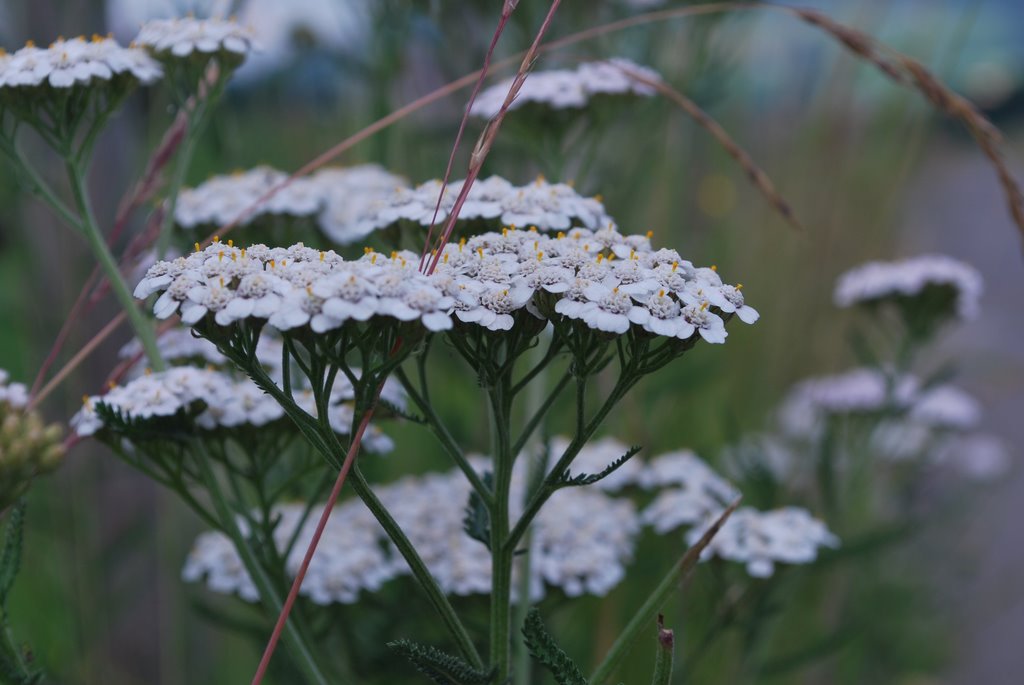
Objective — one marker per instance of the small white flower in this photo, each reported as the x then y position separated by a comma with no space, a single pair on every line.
761,539
567,88
913,280
180,38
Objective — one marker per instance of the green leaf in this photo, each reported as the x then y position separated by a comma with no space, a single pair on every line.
547,653
477,521
440,667
568,480
10,559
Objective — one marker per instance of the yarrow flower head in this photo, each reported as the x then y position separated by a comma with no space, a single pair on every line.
224,199
689,491
294,287
761,539
927,290
569,88
488,281
76,63
580,543
859,391
201,39
28,447
493,201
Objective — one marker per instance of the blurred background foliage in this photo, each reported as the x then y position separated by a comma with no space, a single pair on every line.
869,170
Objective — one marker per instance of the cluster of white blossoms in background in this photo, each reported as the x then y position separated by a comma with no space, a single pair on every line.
75,62
864,390
580,543
227,401
607,281
912,278
186,36
352,197
180,346
569,88
352,203
689,491
14,395
760,539
223,199
349,559
914,420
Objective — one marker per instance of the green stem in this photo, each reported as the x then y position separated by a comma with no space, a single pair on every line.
38,186
651,607
142,325
268,594
325,441
445,437
583,434
419,569
501,552
181,164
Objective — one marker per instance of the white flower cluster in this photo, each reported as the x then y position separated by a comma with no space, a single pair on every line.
689,491
568,88
228,402
915,420
346,201
351,203
352,198
75,62
14,395
868,390
603,279
580,543
223,199
541,205
183,37
350,557
760,539
861,390
912,278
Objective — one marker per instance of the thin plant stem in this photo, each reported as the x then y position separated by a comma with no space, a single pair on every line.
440,430
302,653
143,327
651,607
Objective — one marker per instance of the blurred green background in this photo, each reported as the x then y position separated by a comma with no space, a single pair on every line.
868,168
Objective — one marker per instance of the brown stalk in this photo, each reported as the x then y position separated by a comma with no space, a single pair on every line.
506,12
490,132
755,174
907,71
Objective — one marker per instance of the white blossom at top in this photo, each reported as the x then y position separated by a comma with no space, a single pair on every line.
294,287
223,199
761,539
186,36
75,62
15,395
568,88
911,278
601,279
689,489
